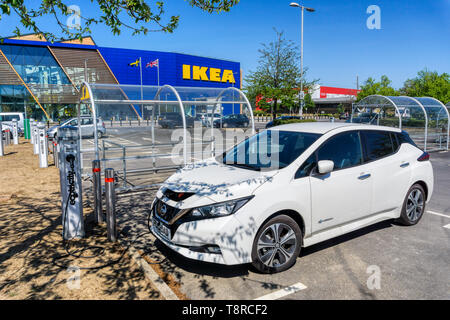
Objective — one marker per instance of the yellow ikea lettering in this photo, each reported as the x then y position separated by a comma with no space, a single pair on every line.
214,74
199,73
228,76
186,71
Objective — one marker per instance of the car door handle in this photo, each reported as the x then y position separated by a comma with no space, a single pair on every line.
404,165
364,176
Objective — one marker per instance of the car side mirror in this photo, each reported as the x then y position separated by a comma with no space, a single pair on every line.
325,166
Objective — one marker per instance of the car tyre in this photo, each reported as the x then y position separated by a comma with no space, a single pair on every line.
277,245
99,134
413,206
225,125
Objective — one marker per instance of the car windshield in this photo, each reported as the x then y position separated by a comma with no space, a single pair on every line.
268,150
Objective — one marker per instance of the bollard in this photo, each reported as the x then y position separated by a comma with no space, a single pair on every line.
110,195
36,139
2,146
98,208
15,132
43,145
70,182
55,153
7,137
31,133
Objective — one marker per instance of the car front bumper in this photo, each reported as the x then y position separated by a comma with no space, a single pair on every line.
227,233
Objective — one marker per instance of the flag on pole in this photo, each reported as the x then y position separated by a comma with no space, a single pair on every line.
154,63
134,64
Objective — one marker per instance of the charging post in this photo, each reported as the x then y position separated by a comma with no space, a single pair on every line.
15,131
43,145
70,176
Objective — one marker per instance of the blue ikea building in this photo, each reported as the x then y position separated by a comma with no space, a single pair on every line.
44,78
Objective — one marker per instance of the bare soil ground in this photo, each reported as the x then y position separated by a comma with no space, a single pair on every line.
33,261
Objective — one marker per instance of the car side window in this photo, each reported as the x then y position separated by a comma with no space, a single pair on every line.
378,144
85,122
307,166
343,149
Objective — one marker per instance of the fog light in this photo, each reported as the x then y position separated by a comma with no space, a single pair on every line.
207,249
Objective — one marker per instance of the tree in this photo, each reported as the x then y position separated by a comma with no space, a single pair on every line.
277,75
383,87
309,103
116,14
428,84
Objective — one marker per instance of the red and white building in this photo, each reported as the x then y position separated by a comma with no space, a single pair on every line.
331,96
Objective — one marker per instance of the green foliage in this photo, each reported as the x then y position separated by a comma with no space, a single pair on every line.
115,14
278,122
371,86
428,84
309,103
277,75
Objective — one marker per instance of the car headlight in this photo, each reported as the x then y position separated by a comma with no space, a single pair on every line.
219,209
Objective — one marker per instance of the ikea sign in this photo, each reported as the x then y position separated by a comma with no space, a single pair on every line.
207,74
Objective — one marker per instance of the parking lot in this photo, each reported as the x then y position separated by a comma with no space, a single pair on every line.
410,262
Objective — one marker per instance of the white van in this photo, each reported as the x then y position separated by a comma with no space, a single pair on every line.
7,118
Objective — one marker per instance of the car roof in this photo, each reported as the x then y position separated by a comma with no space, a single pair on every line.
324,127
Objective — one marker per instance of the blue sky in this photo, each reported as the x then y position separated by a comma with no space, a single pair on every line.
414,34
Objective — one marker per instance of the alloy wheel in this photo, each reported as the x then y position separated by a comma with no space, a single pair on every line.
276,245
414,205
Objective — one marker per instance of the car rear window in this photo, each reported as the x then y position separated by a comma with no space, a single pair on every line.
404,137
378,144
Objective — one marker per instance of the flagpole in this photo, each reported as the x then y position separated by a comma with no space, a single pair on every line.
159,107
142,89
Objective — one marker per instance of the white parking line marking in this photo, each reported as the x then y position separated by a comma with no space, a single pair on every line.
283,292
447,226
438,214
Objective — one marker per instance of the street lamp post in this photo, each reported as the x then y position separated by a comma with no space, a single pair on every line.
301,94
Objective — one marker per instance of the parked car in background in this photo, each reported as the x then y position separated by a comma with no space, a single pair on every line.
364,117
86,127
7,118
205,118
245,206
232,121
174,119
271,123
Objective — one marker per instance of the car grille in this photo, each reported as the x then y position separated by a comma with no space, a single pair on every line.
177,196
164,211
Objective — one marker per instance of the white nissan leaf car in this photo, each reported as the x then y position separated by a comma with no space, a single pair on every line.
291,187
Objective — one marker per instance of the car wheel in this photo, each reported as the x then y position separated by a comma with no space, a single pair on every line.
225,125
99,134
413,206
277,245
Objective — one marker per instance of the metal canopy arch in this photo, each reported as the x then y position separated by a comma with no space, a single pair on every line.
402,104
183,116
442,109
369,102
116,95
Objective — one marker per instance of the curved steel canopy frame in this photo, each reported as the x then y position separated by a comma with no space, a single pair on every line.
388,99
419,104
156,100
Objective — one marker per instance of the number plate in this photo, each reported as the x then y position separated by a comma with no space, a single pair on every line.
162,230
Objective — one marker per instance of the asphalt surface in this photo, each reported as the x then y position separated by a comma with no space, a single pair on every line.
383,261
